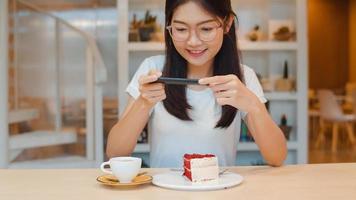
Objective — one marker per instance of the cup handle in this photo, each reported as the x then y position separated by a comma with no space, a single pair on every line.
105,170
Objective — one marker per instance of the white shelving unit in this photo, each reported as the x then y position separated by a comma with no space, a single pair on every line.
281,96
265,57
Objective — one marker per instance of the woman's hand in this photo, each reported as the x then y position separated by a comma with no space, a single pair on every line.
229,90
151,93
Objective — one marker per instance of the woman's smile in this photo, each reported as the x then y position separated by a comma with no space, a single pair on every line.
196,53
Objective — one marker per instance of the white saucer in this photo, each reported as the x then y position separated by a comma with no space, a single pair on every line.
175,180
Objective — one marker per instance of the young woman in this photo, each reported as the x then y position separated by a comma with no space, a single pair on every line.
206,118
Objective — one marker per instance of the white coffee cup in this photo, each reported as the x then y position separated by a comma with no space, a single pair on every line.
123,168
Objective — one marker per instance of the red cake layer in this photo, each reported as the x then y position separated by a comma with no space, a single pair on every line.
187,158
188,174
191,156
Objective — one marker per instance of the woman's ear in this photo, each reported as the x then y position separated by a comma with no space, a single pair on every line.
229,22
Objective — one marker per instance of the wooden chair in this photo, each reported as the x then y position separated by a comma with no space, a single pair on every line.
331,112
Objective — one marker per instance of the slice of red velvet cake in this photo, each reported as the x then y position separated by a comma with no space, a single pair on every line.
201,167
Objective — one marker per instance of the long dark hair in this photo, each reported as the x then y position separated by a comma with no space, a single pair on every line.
227,61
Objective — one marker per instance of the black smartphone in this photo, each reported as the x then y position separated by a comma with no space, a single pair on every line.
177,81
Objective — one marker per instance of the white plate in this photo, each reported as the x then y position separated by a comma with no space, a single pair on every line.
175,180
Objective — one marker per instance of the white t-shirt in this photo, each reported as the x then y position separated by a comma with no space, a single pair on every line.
170,138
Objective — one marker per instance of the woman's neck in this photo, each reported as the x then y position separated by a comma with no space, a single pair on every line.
200,71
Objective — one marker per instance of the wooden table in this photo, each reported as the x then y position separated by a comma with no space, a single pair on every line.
325,181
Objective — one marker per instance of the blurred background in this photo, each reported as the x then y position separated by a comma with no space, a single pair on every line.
65,66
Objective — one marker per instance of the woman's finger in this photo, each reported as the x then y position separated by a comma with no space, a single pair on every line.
157,98
156,93
152,76
223,101
147,79
225,94
160,98
151,87
220,87
155,72
215,80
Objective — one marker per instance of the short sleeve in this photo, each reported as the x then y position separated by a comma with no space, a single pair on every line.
155,62
253,84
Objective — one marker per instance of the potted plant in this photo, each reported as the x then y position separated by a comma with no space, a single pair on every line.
284,127
148,27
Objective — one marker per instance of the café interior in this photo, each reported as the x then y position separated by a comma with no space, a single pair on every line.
68,64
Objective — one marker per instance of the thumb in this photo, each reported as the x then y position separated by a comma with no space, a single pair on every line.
155,72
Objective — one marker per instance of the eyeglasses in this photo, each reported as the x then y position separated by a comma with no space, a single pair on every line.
205,32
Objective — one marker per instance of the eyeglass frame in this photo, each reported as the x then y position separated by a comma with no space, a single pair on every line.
169,29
